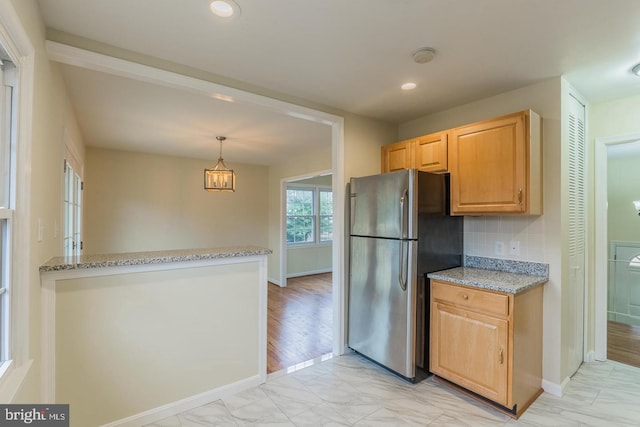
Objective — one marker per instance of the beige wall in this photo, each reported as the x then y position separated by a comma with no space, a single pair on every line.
623,187
302,261
317,180
363,139
129,343
142,202
51,115
540,236
613,118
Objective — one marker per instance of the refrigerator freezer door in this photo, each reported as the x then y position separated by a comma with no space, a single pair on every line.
381,313
383,205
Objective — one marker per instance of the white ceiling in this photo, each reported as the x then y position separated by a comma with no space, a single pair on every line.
347,54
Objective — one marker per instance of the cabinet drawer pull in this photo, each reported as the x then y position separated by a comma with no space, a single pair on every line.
465,296
501,355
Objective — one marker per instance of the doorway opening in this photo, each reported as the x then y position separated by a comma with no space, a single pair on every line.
617,257
300,309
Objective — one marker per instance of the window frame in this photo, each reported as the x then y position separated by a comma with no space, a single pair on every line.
324,189
19,49
72,211
315,217
8,146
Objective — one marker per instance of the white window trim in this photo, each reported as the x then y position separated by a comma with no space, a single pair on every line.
72,157
71,211
316,215
72,154
17,44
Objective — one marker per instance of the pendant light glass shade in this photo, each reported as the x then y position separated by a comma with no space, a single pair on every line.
220,178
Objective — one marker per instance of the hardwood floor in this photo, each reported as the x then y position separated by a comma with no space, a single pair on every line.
623,343
299,326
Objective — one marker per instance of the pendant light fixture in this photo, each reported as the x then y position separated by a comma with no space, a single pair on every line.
220,178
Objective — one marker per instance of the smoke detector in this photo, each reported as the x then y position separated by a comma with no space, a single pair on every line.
423,55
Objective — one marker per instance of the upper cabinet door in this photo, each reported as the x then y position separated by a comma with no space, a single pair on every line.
496,166
431,152
397,156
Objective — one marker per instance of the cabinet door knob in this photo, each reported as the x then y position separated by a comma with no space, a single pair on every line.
520,197
465,296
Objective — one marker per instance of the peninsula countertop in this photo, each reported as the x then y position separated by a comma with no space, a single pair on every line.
144,258
495,280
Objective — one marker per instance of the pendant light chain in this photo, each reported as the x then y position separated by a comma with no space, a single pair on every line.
220,138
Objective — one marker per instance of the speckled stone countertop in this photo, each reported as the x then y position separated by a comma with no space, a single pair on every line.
512,277
143,258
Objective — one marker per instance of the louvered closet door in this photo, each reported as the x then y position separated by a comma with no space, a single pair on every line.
577,237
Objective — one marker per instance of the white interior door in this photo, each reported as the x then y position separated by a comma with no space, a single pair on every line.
577,237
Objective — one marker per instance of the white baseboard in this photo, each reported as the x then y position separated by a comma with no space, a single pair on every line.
555,388
309,273
306,273
188,403
275,282
590,357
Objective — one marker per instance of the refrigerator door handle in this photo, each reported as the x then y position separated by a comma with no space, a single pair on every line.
402,267
404,214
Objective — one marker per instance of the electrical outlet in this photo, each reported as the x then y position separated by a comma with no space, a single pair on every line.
514,247
499,247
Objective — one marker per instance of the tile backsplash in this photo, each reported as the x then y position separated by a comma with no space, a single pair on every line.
505,237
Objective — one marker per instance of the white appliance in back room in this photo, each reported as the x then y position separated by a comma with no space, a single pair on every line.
400,230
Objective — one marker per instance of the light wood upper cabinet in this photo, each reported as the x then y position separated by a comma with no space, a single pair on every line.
431,152
496,167
488,342
427,153
398,156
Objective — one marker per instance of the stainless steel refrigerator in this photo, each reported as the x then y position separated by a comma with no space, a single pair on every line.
400,230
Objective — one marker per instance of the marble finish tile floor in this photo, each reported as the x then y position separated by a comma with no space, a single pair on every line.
352,391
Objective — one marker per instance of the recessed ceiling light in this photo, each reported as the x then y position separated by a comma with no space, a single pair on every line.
224,8
636,70
408,86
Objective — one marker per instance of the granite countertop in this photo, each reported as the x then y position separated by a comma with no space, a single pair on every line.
143,258
511,277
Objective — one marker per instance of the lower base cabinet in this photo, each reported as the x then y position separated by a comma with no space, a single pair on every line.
488,342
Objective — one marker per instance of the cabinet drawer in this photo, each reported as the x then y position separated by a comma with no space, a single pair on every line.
474,299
